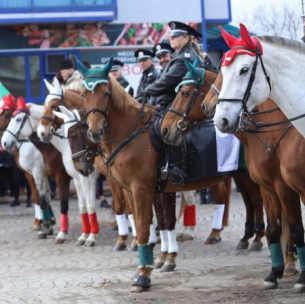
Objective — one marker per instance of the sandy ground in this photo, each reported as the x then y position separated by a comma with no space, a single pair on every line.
37,271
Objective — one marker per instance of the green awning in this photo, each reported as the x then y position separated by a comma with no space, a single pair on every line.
213,32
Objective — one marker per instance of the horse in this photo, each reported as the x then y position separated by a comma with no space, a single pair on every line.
33,170
48,125
265,167
22,125
253,71
121,124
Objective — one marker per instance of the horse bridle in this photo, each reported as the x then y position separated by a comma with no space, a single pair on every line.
26,116
244,100
89,154
54,120
182,124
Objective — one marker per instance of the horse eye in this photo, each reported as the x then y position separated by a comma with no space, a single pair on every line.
54,107
7,115
186,94
18,119
244,71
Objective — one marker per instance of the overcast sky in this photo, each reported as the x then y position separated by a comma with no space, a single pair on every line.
241,9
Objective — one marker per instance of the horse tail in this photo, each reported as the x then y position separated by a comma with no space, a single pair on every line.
182,207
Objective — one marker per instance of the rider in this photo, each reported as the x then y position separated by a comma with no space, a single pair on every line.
72,79
116,71
182,38
149,74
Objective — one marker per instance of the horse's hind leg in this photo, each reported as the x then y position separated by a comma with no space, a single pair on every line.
119,205
62,180
161,258
221,193
169,209
134,242
250,193
189,216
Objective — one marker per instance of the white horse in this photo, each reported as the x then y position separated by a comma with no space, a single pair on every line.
277,65
24,124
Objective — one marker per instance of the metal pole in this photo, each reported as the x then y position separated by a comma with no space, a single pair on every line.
203,28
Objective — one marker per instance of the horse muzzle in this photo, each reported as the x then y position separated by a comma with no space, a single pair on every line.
94,136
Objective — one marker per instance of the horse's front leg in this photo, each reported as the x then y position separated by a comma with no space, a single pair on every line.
142,208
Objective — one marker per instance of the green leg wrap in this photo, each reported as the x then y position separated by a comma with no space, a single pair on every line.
50,211
277,257
45,215
145,255
301,256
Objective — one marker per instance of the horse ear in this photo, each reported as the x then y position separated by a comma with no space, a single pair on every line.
244,34
66,112
190,67
48,85
108,66
20,105
83,69
229,39
57,84
197,62
60,115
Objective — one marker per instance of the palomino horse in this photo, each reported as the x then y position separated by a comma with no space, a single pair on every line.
22,125
49,123
121,123
253,71
263,167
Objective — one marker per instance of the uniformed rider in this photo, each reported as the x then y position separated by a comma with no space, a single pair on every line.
149,75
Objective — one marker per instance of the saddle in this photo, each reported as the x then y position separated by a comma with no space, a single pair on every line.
194,159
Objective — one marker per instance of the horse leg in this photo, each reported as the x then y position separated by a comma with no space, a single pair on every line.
250,193
88,188
119,205
142,211
274,213
189,216
292,213
134,242
63,183
38,215
169,209
221,193
161,258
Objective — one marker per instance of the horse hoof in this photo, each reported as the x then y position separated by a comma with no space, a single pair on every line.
138,288
186,237
120,247
49,231
212,240
89,244
256,246
159,264
59,241
133,247
299,288
269,285
242,245
80,242
35,227
41,235
290,271
168,267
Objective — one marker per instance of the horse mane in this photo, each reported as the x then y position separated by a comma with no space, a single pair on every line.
123,100
293,45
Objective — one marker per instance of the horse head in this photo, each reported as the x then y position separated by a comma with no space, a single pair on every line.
7,107
245,80
20,126
82,149
96,94
49,123
186,112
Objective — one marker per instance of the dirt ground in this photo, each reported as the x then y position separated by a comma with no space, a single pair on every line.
37,271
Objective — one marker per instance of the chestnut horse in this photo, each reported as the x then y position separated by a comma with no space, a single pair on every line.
265,167
121,124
